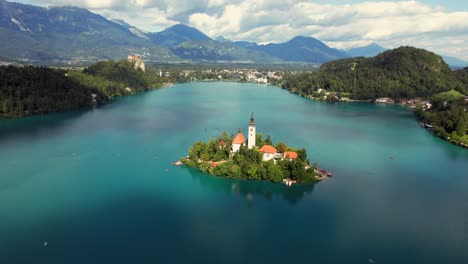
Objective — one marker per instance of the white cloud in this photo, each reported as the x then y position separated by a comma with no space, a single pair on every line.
347,25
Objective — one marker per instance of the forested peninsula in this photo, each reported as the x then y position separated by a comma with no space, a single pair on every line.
30,90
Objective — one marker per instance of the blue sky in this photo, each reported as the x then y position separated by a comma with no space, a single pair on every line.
439,26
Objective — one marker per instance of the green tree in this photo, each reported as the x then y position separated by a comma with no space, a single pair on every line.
461,127
259,142
302,154
281,147
274,172
268,140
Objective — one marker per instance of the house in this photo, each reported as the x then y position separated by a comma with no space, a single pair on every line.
238,141
385,100
269,152
290,155
427,106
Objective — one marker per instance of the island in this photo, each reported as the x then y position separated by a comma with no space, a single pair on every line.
253,159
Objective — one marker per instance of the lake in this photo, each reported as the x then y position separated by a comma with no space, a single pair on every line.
97,186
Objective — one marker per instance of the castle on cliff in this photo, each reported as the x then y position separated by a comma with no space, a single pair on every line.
138,62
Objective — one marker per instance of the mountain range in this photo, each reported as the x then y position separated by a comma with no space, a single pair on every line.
32,33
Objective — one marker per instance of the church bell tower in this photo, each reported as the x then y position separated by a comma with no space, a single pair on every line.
251,139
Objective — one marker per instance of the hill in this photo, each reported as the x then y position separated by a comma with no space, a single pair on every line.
405,72
32,90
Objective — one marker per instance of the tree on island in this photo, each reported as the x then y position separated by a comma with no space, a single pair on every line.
281,147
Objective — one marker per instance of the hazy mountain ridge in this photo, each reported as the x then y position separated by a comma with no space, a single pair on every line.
189,43
298,49
366,51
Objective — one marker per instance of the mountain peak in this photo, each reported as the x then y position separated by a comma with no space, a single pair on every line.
223,39
178,34
375,45
366,51
301,49
187,30
307,41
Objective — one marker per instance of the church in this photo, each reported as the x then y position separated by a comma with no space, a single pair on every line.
269,152
239,140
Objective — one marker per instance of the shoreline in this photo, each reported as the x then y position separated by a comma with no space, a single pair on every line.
370,101
167,85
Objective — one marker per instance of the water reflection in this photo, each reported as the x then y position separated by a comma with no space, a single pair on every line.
34,126
251,189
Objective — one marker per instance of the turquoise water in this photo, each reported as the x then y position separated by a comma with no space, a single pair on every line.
98,186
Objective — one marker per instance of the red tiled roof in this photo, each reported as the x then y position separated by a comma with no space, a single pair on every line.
239,139
222,143
290,155
214,164
268,149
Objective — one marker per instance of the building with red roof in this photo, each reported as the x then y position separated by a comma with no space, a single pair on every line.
238,141
290,155
269,152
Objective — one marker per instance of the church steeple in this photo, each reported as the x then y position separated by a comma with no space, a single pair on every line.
251,140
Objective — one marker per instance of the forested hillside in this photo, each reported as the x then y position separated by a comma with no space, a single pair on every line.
448,116
405,72
32,90
37,90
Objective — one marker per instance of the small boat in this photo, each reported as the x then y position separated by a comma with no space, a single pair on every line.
45,244
371,261
329,174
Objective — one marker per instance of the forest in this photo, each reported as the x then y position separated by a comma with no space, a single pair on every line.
448,116
216,159
30,90
405,72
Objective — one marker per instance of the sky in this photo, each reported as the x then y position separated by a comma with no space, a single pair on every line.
436,25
